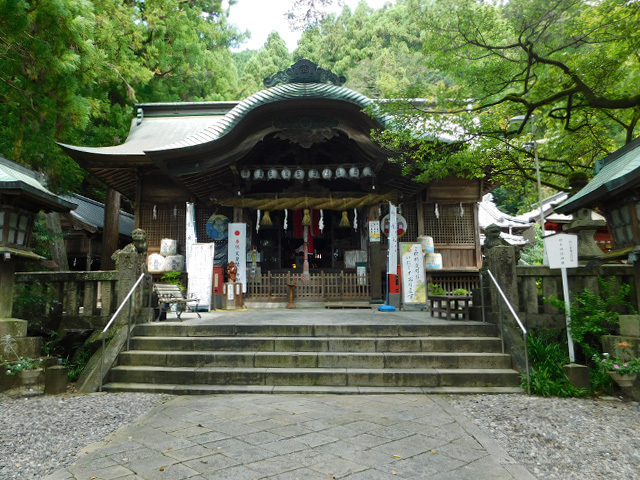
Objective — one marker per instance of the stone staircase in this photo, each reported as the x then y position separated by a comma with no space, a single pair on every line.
204,359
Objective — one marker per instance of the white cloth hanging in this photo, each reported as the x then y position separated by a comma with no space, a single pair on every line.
437,212
461,210
257,221
355,219
155,212
321,221
286,217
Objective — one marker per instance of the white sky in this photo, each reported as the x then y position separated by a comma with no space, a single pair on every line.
261,17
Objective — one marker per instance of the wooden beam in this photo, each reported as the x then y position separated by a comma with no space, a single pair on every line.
111,229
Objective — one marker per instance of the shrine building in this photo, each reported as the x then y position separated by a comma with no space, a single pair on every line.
302,143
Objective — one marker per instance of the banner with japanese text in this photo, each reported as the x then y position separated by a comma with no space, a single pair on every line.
414,283
238,251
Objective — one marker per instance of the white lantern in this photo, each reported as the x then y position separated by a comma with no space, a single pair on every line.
245,173
327,174
258,175
341,172
285,174
354,172
367,172
298,174
272,174
313,174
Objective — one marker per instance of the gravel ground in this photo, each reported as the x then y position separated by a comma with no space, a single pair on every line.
553,438
561,438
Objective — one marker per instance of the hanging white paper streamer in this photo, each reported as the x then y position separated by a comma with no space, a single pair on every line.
321,221
461,210
305,250
258,221
437,212
155,212
175,211
286,218
355,219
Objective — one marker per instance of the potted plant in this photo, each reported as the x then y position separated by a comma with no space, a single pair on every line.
623,369
435,289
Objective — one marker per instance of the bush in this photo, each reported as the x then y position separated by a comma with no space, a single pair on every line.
547,356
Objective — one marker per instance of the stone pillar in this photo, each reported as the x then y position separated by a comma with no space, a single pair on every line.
129,269
7,279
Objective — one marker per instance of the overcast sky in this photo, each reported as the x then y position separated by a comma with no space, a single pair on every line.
261,17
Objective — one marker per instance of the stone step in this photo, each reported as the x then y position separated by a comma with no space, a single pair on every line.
319,344
315,359
467,329
174,389
369,377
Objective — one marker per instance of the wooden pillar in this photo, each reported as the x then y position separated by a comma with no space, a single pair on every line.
111,229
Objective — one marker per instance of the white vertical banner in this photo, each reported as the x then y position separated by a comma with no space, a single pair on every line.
201,273
191,236
238,251
392,240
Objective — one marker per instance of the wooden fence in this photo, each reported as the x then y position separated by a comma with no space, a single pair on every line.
318,286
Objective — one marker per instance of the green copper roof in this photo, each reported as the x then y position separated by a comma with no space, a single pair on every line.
614,173
291,91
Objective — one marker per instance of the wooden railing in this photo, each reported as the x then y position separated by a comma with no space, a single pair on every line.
78,299
319,286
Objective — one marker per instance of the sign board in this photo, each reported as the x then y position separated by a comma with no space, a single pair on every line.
374,231
200,270
414,284
238,251
562,250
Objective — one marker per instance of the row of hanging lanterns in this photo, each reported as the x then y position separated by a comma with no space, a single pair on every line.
312,174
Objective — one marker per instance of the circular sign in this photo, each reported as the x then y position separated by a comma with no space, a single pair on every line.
402,225
218,227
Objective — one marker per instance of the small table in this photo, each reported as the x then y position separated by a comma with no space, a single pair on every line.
452,307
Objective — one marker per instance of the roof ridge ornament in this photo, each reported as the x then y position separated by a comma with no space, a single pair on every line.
304,71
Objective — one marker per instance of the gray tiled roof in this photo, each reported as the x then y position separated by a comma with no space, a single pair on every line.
29,182
91,212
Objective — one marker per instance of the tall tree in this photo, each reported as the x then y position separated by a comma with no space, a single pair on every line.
568,67
270,59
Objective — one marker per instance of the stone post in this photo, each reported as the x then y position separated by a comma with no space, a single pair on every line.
502,263
129,269
585,227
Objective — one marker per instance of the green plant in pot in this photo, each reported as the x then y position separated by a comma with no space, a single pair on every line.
623,368
435,289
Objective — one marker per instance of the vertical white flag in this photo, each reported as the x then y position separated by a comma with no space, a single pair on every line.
238,251
191,236
392,239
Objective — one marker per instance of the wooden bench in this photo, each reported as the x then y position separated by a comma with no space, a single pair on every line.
169,295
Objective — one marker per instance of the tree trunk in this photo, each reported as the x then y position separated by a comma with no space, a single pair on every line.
111,229
58,250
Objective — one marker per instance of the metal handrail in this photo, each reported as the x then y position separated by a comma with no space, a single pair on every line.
520,324
110,322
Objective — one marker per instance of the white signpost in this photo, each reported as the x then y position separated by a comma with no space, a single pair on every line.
238,251
201,273
562,253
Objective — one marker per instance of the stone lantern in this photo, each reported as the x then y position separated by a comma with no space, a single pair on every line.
22,196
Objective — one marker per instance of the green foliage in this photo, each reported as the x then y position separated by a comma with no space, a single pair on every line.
596,314
173,278
15,367
533,254
436,289
76,365
33,301
624,365
460,291
547,356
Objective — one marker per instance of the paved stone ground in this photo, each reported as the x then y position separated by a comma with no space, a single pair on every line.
283,436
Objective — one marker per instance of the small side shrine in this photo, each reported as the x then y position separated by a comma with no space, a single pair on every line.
615,192
294,163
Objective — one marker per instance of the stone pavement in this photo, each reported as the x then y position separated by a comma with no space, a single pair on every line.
282,436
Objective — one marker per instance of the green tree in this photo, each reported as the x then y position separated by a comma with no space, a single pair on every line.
571,66
270,59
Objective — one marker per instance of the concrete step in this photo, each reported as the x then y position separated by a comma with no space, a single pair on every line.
315,359
369,377
467,329
174,389
319,344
